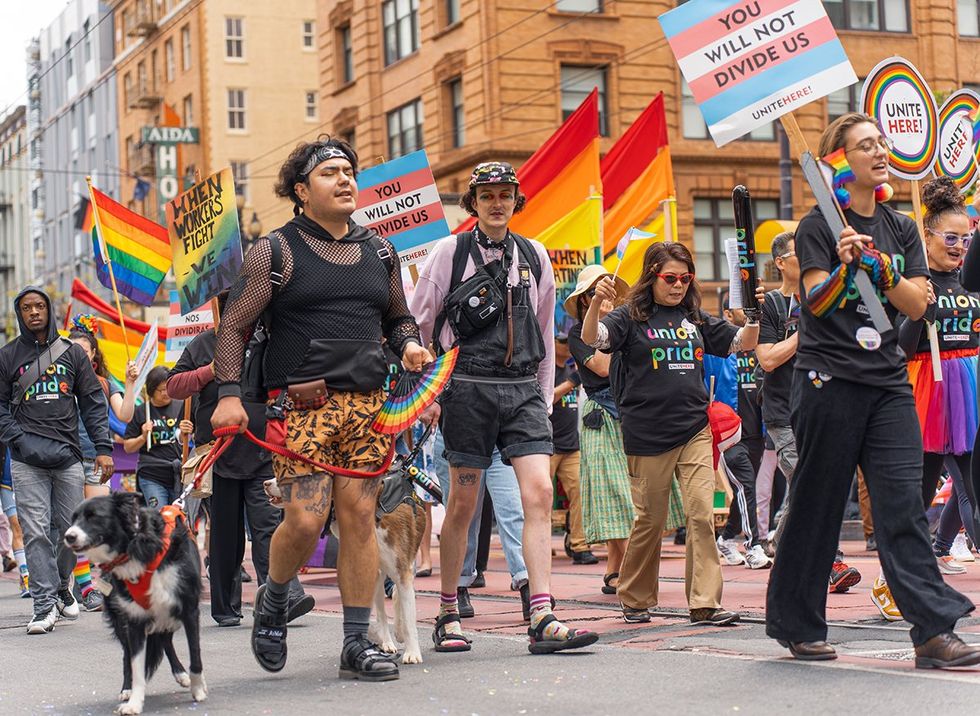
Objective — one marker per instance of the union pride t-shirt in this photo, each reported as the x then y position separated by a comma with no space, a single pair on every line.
664,402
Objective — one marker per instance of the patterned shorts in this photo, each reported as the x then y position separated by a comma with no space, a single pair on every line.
337,433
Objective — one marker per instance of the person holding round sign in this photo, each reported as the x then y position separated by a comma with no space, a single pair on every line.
660,336
853,407
947,410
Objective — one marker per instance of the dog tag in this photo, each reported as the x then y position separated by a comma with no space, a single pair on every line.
103,586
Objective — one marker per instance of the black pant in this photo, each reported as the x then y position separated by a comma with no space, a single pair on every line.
742,462
231,499
486,525
840,426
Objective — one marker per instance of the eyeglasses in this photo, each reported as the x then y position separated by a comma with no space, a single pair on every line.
951,239
590,293
787,255
672,278
868,146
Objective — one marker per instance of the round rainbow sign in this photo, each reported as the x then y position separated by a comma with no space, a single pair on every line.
898,97
957,157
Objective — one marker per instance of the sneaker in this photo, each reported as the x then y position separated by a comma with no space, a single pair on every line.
713,617
881,595
843,577
93,601
479,581
67,604
43,622
768,547
633,615
728,549
948,565
756,558
871,544
960,551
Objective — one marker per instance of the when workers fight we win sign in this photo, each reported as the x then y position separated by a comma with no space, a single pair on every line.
748,62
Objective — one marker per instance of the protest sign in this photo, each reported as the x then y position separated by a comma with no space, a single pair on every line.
956,157
399,199
146,357
183,328
748,62
205,239
898,97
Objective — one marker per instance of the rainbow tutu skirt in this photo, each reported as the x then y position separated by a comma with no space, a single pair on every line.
947,410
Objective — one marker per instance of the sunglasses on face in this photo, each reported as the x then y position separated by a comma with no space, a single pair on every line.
951,239
672,278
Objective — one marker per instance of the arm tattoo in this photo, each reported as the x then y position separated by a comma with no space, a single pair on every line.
468,477
736,345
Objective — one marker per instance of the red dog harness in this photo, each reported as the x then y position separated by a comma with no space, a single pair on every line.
139,590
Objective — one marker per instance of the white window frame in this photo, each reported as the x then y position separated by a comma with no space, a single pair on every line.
234,110
234,38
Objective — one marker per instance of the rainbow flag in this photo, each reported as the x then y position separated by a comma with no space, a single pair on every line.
974,117
138,248
842,170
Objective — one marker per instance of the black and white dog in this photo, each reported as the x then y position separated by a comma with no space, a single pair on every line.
154,570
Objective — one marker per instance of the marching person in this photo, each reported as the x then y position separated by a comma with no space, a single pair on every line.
854,406
338,291
661,335
947,410
237,491
499,291
41,378
607,507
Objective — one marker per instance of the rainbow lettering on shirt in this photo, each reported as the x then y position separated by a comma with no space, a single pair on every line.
683,349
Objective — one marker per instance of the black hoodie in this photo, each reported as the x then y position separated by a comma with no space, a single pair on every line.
44,431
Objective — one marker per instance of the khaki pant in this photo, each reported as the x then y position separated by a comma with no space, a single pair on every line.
564,466
864,501
650,482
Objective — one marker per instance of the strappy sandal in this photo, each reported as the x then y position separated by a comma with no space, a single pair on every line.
607,588
268,636
362,659
577,638
442,639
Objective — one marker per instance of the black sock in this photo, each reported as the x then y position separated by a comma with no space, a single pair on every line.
356,622
276,598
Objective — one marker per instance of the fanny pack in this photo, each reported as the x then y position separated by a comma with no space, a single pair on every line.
479,301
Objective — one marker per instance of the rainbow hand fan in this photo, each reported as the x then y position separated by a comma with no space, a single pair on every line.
413,393
973,117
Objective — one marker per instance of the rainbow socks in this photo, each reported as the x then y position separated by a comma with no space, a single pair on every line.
541,608
83,576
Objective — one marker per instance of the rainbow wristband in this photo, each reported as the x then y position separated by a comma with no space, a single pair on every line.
879,267
826,297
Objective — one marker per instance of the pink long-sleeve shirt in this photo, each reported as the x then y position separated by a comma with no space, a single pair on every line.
433,283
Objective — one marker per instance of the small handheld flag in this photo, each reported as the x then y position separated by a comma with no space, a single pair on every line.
634,234
843,174
974,118
413,393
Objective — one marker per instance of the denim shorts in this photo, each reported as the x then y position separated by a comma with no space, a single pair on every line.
479,414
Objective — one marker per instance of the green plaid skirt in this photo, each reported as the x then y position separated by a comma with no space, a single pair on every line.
604,484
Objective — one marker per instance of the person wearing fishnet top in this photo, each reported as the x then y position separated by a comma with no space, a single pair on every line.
339,295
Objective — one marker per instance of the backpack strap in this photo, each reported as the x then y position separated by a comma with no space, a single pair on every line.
782,307
530,255
275,262
383,252
464,240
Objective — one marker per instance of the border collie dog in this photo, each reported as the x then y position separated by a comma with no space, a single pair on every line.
154,569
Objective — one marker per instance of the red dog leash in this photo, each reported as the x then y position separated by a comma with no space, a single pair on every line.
224,437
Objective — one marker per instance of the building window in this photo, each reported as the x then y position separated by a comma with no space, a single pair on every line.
185,48
69,63
968,17
311,105
170,59
86,42
234,38
309,28
713,223
454,91
188,111
579,5
452,11
843,101
236,109
405,129
345,54
239,170
401,28
576,84
128,89
127,25
888,15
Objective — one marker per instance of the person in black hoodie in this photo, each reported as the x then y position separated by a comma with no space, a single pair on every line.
39,421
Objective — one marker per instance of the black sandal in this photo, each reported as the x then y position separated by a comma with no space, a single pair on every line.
361,659
268,636
577,638
607,588
440,636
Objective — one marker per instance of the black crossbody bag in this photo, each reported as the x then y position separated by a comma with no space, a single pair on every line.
29,377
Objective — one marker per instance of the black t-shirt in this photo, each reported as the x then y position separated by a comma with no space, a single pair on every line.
957,315
664,402
775,329
157,463
845,344
564,414
582,352
748,396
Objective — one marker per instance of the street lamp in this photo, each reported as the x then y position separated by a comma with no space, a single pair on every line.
254,227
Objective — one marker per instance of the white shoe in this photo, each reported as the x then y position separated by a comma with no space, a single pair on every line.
756,558
960,551
43,623
728,549
948,565
67,604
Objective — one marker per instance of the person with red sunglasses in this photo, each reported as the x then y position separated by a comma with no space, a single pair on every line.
661,335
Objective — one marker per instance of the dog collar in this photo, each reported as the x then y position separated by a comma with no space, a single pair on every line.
107,567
